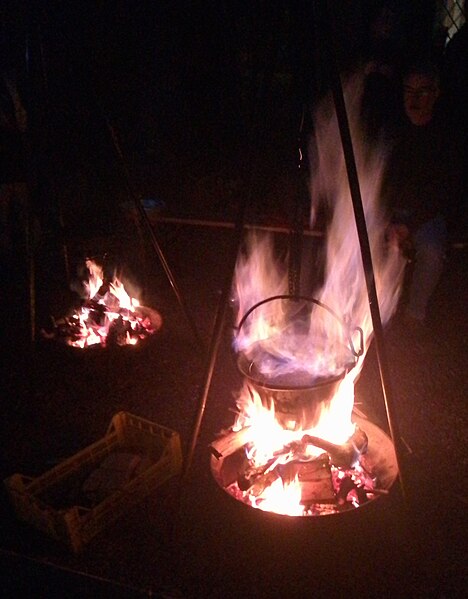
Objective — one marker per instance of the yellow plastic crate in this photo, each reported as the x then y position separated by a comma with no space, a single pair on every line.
51,502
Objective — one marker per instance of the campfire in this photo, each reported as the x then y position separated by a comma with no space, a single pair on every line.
108,314
297,446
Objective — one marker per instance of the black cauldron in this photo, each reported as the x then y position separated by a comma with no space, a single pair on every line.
299,396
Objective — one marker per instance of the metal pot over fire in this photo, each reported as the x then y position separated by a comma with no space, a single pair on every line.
299,389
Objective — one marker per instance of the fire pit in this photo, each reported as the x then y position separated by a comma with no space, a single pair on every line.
295,449
337,480
108,315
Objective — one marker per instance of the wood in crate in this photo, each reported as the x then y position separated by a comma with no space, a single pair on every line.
83,494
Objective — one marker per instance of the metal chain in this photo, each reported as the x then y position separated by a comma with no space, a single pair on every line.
297,229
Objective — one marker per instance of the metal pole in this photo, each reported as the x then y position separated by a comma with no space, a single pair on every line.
217,334
340,107
228,225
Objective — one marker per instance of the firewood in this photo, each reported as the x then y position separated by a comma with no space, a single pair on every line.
344,455
263,482
231,442
315,480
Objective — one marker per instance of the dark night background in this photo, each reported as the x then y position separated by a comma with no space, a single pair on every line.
192,106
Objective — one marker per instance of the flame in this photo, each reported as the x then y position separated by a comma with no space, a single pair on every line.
318,337
344,286
125,301
282,498
96,278
267,436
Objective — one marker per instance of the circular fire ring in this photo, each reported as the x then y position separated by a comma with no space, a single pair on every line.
379,461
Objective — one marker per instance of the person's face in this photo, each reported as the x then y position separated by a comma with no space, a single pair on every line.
420,93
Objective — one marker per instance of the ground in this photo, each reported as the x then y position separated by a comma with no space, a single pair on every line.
190,539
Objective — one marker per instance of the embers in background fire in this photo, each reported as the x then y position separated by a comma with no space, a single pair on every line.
108,315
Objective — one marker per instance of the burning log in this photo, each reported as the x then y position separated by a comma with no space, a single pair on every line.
348,486
314,477
294,461
123,329
231,442
376,491
315,480
343,456
250,475
263,482
312,486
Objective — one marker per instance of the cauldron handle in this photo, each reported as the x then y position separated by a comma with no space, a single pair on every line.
360,351
356,353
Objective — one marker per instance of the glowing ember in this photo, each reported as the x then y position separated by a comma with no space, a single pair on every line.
296,451
108,315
